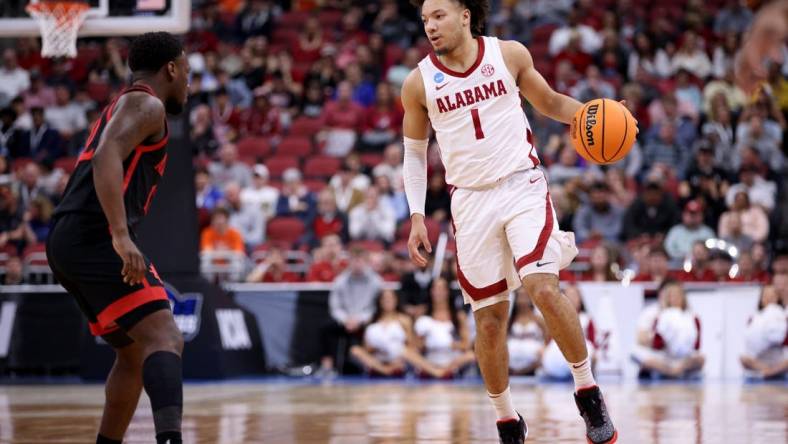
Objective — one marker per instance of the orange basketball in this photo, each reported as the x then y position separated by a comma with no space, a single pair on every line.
603,131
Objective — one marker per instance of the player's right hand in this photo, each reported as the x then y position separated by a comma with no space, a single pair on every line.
418,237
133,261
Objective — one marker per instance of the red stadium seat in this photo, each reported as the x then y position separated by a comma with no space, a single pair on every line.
304,126
321,167
433,230
295,146
370,160
285,35
20,163
315,185
543,32
253,148
278,164
285,229
99,91
66,164
330,19
293,19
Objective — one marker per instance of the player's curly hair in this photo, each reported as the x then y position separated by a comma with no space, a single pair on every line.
479,11
152,50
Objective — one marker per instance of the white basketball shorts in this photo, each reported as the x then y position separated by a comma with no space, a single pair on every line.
505,232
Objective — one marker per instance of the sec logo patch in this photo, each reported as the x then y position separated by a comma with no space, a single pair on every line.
488,70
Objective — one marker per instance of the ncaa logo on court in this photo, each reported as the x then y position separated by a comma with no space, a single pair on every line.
439,77
488,70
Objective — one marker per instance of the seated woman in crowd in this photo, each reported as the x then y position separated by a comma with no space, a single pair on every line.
766,338
388,341
672,347
554,364
442,335
527,336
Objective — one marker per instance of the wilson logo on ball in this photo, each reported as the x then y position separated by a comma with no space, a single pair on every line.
590,122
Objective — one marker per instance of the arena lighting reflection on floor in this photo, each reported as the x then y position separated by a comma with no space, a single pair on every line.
349,413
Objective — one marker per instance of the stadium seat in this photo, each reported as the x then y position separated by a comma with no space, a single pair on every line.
253,147
99,91
19,163
299,146
66,164
285,35
330,19
315,185
321,167
287,229
370,160
543,32
304,126
433,230
278,164
293,19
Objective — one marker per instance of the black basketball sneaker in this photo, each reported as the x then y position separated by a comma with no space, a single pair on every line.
599,427
513,431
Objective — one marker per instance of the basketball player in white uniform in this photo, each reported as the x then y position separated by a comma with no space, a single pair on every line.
469,90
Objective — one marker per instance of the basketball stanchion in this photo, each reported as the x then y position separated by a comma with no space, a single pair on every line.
440,254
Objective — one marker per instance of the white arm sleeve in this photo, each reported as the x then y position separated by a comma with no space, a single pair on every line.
414,173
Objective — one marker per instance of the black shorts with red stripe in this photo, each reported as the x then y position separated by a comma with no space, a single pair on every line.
80,253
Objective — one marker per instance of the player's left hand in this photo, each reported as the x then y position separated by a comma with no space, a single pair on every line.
133,261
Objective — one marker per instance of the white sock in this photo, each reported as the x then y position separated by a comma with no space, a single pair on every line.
581,372
502,402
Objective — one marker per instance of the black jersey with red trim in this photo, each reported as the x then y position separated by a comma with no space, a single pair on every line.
142,170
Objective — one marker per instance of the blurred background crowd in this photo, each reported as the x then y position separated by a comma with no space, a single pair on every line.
295,125
295,120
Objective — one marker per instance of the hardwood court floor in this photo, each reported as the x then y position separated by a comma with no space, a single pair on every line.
372,412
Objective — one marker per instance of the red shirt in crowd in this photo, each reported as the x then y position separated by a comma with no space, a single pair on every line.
381,120
325,271
349,115
323,227
279,275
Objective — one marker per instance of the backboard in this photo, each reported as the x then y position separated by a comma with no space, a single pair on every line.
105,18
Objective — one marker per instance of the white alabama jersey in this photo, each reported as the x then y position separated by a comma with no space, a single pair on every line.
478,119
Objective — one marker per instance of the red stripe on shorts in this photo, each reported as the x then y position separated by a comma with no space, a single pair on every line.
477,293
98,330
544,236
128,303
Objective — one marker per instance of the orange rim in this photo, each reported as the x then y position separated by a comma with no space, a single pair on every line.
49,7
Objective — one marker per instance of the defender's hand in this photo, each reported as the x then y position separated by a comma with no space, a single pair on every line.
133,262
418,237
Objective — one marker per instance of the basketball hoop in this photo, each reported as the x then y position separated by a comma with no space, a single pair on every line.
59,22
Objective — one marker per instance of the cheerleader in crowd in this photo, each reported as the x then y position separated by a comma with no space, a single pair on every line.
442,335
672,347
766,338
527,336
388,342
554,366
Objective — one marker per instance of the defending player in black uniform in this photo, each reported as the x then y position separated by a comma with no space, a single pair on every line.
92,250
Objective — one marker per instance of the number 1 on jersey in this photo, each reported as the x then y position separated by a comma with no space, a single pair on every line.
477,124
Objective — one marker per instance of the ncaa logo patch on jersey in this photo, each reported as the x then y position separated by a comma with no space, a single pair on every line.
439,77
488,70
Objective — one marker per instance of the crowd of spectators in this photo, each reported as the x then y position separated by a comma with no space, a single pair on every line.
295,125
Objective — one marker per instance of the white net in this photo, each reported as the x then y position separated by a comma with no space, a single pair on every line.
59,23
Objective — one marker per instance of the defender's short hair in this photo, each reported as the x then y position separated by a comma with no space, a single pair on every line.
479,11
152,50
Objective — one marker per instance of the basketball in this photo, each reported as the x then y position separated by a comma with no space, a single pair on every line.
603,131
